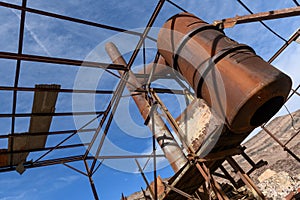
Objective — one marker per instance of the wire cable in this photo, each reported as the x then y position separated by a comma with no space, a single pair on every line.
265,25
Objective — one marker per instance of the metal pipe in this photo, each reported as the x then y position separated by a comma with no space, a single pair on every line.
172,152
242,88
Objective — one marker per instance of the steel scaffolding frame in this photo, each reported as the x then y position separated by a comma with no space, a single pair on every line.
105,116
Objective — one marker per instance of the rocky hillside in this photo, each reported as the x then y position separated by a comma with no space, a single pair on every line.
282,174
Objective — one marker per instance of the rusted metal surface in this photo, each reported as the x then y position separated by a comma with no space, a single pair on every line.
274,14
197,122
44,102
162,134
230,77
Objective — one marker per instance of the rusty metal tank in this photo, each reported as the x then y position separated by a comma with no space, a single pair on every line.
239,85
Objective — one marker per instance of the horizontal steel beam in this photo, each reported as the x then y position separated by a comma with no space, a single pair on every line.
160,90
275,14
128,156
44,163
25,134
63,61
70,159
71,19
43,149
29,89
50,114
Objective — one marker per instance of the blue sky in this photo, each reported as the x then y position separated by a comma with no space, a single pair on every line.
51,37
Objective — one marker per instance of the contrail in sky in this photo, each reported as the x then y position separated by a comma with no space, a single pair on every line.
33,35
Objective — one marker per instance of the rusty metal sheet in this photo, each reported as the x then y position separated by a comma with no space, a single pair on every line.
44,102
3,158
197,121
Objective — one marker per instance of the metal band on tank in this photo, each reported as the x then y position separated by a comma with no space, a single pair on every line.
207,65
186,38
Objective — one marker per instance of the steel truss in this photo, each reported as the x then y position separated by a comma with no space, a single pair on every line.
106,116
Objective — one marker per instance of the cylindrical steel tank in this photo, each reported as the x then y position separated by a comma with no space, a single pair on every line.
239,85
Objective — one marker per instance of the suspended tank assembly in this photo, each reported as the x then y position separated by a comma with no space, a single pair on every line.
230,77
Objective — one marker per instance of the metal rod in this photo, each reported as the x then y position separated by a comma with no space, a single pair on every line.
27,134
285,45
43,149
44,163
108,109
154,157
182,193
161,90
75,169
152,71
145,178
50,114
17,73
156,76
246,179
275,14
71,19
294,91
62,61
176,5
118,96
91,181
128,156
209,179
265,25
93,187
97,167
228,176
172,122
145,33
281,144
67,138
292,138
247,158
29,89
296,2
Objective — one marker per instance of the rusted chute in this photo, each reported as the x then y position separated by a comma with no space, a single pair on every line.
239,85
